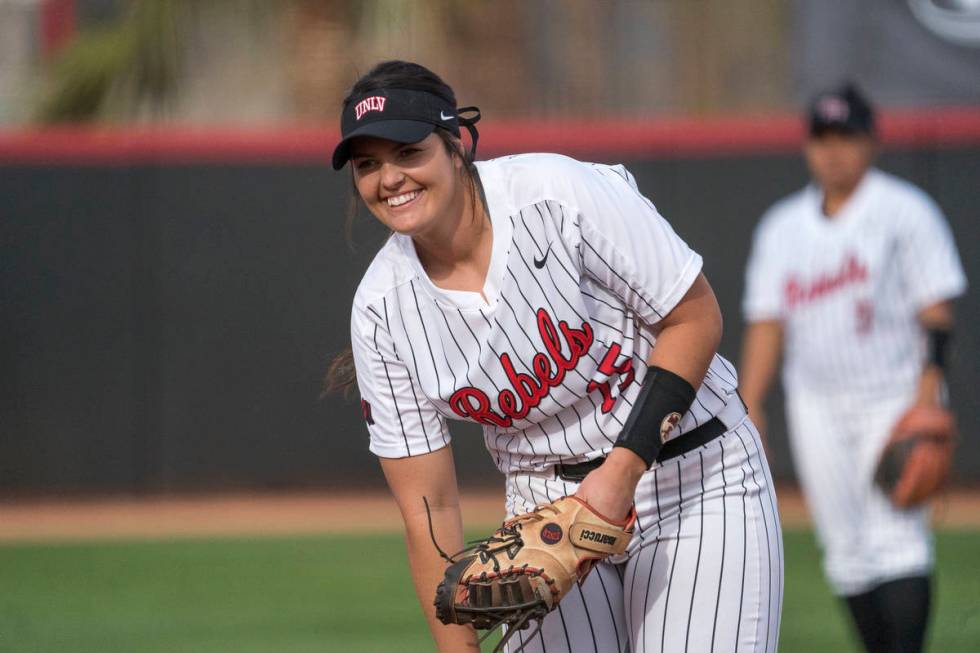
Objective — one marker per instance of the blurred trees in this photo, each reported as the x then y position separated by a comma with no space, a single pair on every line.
292,60
113,70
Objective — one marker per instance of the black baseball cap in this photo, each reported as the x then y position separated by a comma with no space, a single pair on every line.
400,115
843,109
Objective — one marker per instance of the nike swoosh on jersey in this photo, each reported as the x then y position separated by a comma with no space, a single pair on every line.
540,264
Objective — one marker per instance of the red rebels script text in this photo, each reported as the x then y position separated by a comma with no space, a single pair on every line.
549,371
798,292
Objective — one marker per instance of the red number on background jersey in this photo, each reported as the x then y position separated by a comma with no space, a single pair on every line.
864,314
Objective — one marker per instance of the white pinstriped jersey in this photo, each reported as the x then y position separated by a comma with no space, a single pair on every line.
848,288
550,359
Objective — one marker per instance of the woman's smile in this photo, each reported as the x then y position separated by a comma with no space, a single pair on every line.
403,200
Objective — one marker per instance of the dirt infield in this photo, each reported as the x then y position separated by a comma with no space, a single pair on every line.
287,514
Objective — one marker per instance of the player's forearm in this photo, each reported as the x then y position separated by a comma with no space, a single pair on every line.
428,569
761,350
931,390
431,476
687,340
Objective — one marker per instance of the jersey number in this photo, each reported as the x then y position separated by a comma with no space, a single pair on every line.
609,368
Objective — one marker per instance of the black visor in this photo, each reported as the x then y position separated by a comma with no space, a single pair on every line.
398,115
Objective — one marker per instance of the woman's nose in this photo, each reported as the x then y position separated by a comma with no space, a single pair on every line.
391,176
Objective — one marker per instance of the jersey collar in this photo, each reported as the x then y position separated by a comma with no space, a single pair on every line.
852,209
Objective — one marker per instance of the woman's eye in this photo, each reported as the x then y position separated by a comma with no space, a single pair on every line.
364,164
408,152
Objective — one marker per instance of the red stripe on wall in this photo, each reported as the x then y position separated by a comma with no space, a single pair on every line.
600,139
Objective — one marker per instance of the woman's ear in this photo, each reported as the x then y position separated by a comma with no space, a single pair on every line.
454,145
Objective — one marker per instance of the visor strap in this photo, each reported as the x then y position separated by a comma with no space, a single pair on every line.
470,124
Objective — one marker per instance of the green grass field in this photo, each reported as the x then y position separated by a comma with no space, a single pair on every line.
336,593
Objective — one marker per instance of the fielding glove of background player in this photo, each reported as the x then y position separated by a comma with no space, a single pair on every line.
917,458
523,570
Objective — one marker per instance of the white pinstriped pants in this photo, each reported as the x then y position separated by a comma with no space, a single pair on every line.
703,573
835,444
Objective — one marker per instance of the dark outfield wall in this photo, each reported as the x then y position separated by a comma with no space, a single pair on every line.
164,326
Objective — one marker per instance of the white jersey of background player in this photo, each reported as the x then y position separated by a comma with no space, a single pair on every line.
844,277
546,346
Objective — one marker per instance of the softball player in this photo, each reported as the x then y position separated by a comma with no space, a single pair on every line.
537,295
847,278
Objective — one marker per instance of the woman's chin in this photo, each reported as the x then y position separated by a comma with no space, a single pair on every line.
411,230
407,225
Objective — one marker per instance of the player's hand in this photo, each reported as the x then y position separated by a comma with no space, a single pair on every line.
610,487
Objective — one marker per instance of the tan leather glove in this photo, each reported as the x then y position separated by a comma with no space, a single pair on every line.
523,570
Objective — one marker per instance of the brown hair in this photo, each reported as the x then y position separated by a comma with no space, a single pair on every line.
341,376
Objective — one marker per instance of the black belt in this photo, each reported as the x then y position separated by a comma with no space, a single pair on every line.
671,449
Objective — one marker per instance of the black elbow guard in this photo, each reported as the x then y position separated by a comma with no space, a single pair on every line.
663,400
938,345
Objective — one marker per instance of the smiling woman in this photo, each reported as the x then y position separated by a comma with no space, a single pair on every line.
407,187
547,300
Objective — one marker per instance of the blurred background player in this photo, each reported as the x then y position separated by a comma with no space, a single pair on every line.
850,279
